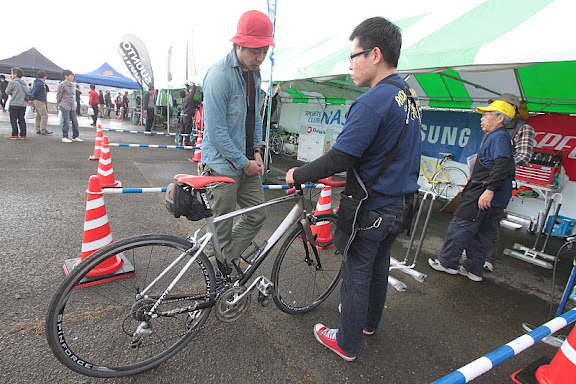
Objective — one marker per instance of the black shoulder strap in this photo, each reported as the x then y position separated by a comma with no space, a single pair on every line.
392,154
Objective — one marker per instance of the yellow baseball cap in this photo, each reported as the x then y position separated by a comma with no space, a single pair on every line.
498,106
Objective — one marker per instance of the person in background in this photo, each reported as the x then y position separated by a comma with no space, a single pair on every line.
3,94
483,199
78,104
118,103
108,103
65,100
382,129
17,89
187,113
93,101
522,135
126,106
101,102
40,103
233,144
149,102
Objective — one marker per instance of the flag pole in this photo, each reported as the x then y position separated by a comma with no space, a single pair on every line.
272,16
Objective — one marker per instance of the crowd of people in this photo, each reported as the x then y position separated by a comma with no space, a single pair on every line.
16,96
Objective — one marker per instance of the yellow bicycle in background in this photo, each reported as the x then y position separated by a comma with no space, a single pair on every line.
446,181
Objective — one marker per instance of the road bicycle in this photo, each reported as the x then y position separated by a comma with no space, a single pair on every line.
165,288
446,182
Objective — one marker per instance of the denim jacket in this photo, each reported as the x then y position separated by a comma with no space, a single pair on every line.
224,141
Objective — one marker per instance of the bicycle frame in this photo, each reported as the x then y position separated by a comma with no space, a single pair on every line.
438,168
297,214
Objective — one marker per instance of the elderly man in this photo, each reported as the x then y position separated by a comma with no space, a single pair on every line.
484,198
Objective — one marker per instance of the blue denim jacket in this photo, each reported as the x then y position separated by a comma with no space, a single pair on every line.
224,141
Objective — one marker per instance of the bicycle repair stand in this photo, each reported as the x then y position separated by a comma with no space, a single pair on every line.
532,255
403,265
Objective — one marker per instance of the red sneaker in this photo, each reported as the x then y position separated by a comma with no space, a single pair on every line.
327,337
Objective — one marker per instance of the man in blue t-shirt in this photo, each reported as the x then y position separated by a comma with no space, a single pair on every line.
483,199
383,121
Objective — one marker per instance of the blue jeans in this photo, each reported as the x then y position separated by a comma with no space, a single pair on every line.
68,115
365,272
474,236
17,120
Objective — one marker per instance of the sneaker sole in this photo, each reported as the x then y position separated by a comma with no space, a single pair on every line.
441,268
471,276
317,327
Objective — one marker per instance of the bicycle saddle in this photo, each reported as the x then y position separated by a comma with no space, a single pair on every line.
198,182
445,155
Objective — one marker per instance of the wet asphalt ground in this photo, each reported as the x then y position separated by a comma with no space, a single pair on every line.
427,331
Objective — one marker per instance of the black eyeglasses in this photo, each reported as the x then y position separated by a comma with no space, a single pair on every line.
354,55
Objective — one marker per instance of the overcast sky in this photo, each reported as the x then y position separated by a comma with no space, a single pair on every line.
80,35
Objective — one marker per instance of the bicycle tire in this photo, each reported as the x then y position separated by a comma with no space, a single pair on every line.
277,143
449,186
90,328
299,284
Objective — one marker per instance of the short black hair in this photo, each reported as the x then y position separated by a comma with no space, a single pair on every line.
67,72
182,93
92,86
382,33
41,74
18,72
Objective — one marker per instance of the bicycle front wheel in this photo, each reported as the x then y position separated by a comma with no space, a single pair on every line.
111,328
277,143
303,281
447,184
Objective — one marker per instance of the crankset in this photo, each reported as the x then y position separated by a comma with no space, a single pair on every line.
232,303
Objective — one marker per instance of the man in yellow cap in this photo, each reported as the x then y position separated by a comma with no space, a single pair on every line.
483,199
233,144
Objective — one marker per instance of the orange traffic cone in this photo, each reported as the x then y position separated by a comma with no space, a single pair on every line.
97,234
562,368
198,152
105,169
322,229
97,144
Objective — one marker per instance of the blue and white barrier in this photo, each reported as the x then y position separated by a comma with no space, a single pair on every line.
274,186
152,146
111,191
146,132
489,361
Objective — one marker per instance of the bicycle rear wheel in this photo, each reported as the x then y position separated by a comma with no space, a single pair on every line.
448,184
302,282
91,329
277,143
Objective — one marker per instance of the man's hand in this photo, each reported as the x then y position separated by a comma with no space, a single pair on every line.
290,176
485,199
258,159
252,168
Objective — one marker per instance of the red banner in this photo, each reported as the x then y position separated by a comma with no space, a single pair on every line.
557,132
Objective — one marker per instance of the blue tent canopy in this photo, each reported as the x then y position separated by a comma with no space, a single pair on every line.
107,76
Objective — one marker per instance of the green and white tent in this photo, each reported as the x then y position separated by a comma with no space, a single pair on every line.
458,57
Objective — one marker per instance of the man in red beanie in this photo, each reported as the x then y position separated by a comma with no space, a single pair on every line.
233,144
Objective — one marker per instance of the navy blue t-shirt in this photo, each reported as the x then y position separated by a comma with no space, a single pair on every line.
375,121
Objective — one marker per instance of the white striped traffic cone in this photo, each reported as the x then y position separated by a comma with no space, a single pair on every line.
562,368
105,169
322,229
97,144
198,151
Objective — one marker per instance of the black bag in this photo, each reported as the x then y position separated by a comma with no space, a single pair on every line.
181,200
347,212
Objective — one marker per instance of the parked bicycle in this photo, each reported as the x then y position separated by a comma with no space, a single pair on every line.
133,322
446,182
